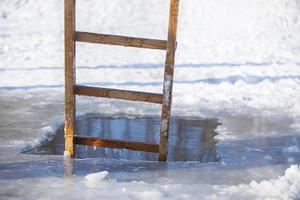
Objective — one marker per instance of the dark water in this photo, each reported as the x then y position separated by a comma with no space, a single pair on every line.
190,139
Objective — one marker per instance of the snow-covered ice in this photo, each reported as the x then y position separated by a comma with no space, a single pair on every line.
284,187
237,61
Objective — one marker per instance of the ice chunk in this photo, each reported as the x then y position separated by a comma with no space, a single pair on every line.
268,157
96,176
45,135
291,149
95,180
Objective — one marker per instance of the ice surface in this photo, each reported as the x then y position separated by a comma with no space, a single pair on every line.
237,61
242,162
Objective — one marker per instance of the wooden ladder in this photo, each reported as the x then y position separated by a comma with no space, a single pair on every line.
72,89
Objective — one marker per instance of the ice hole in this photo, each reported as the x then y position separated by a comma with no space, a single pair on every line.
189,139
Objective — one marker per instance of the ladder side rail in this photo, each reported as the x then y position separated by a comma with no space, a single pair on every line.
70,76
168,81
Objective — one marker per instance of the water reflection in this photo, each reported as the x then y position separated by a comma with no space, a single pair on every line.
190,139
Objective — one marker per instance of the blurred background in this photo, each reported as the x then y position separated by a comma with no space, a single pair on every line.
238,52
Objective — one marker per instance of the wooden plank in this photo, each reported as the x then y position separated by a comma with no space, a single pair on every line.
121,40
168,81
118,94
69,75
119,144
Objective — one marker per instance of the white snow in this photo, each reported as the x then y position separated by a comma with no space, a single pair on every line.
167,87
284,187
237,61
232,56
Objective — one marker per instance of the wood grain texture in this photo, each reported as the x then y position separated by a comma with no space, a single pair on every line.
70,112
168,81
121,40
118,94
71,89
119,144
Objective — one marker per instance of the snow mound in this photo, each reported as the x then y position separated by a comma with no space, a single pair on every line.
45,135
284,187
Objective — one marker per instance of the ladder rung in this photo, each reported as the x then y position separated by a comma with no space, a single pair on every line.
118,94
121,40
112,143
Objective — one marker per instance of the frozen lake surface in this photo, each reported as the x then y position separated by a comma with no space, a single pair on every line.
237,62
44,176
